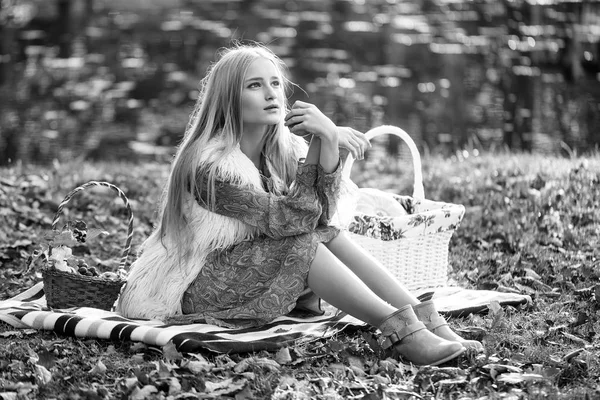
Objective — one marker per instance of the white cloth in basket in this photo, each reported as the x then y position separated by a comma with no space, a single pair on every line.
373,201
386,222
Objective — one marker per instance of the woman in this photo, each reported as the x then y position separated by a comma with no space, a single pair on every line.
244,234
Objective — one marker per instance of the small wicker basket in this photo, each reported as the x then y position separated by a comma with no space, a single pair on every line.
417,254
67,289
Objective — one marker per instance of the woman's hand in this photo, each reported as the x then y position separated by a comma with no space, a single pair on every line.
354,141
305,118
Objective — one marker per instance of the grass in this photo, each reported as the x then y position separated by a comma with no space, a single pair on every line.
531,226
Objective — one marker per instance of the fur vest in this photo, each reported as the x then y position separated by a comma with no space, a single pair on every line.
158,279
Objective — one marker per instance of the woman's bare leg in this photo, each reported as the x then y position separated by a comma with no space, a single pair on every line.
382,282
335,283
370,271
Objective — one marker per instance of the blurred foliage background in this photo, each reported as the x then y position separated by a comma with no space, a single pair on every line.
111,79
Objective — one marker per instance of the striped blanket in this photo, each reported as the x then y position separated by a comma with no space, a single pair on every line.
28,310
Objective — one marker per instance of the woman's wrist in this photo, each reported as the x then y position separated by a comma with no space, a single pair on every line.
331,146
332,143
330,156
329,134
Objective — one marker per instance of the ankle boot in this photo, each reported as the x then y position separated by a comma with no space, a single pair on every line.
414,342
427,314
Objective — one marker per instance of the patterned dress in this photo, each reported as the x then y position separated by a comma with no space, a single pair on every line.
256,281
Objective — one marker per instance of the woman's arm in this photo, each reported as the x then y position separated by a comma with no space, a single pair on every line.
305,118
275,216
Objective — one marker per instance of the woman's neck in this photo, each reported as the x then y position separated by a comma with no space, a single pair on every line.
252,143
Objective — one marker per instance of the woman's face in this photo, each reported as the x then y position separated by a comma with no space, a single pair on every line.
262,95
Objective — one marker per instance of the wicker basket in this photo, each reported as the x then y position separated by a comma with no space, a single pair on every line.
418,256
66,289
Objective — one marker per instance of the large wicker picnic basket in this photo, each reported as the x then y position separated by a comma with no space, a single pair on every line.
70,289
413,245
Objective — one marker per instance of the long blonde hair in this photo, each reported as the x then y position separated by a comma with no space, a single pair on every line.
218,115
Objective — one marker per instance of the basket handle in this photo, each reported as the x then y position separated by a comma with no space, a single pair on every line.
418,190
120,193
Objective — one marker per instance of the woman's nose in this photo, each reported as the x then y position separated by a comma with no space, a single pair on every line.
270,92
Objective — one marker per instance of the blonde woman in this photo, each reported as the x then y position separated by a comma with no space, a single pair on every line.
244,233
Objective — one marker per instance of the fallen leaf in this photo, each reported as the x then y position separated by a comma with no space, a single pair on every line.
336,346
164,368
287,381
143,393
170,352
99,368
225,387
42,375
355,361
197,367
337,369
138,346
174,386
256,362
381,380
283,356
137,358
496,312
130,383
248,375
46,359
516,378
501,368
7,334
357,371
245,394
388,365
94,232
532,274
371,340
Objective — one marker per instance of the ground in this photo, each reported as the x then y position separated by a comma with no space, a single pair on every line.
532,225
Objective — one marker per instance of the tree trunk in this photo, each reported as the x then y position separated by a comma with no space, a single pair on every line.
7,38
64,24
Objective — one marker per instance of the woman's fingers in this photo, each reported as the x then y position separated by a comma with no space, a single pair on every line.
298,109
362,143
354,141
299,129
360,152
293,120
312,119
354,148
361,137
294,112
301,104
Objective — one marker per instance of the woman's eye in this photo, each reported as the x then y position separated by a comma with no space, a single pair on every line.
276,83
253,85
